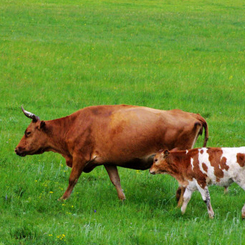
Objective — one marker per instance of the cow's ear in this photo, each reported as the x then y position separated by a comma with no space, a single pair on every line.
42,124
34,120
166,153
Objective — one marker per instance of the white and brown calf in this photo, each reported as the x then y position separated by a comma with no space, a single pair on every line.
195,169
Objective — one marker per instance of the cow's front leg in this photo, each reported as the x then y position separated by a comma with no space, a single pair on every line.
68,161
77,168
115,179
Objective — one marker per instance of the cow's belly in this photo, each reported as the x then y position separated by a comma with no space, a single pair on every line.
135,163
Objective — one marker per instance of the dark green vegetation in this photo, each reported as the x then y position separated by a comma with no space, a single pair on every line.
59,56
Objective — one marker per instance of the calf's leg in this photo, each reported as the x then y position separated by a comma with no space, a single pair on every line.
241,182
115,179
186,198
243,212
206,198
179,195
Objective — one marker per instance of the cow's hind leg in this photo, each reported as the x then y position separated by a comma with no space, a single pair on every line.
77,168
115,179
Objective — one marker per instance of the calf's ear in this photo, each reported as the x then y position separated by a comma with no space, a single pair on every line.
166,153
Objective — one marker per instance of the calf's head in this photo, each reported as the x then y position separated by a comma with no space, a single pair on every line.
160,163
35,138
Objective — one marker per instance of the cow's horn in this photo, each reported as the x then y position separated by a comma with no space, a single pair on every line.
30,115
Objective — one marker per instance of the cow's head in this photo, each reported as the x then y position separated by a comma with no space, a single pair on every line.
34,140
160,164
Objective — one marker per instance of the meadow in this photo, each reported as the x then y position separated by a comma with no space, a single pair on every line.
59,56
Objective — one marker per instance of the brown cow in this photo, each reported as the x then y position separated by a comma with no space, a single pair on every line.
116,135
195,169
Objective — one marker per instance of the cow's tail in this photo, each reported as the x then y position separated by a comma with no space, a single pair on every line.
205,126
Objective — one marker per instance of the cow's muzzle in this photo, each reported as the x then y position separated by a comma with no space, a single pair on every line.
19,152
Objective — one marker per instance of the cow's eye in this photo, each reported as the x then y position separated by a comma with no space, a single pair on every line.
156,160
28,133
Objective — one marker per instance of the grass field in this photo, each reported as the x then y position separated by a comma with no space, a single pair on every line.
59,56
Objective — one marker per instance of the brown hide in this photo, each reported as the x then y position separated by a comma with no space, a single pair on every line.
119,135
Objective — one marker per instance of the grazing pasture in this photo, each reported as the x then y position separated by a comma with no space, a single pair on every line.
59,56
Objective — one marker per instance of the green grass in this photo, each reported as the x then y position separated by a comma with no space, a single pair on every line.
59,56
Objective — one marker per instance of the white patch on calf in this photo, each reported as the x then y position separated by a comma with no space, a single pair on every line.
192,165
201,159
204,158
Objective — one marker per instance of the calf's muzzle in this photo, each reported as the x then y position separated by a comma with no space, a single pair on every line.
152,171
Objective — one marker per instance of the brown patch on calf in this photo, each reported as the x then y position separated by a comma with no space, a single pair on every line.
215,161
205,167
241,159
201,151
223,164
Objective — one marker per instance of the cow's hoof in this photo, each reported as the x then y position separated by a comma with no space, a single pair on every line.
61,199
121,197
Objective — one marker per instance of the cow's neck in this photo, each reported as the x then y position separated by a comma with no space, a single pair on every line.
57,132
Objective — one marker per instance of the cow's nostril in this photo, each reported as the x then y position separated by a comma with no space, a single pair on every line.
19,151
16,151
